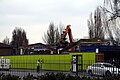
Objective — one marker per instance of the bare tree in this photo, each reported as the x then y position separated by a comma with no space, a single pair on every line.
61,28
95,25
91,27
112,7
107,28
6,41
53,34
111,10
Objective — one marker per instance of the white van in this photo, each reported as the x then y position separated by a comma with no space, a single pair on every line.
4,63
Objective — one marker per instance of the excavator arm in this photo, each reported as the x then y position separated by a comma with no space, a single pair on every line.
65,45
70,46
63,37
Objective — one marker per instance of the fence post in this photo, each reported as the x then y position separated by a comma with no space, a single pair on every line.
76,69
113,65
41,66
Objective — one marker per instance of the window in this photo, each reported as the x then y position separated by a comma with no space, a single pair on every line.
108,65
97,65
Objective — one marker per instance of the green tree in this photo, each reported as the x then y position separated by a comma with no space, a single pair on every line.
18,39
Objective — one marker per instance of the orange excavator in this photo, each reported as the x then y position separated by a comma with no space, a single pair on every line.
63,37
65,45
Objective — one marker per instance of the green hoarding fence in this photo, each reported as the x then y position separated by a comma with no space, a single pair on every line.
52,61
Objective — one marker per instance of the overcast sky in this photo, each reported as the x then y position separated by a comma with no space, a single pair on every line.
34,16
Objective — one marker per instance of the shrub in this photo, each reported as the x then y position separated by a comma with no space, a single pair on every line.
9,77
57,76
28,77
60,76
69,77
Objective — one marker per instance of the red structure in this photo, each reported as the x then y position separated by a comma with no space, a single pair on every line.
63,36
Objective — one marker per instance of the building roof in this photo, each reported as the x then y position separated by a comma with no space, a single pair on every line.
2,45
93,40
32,45
40,45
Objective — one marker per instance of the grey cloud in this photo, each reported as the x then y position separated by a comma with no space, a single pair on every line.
36,12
